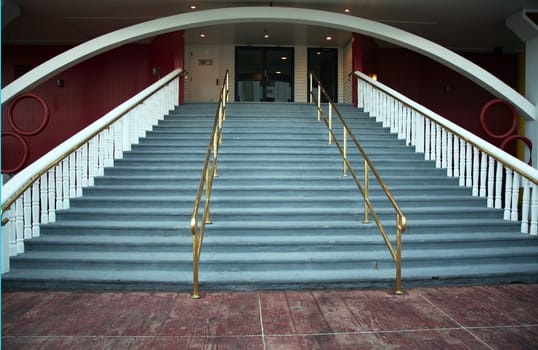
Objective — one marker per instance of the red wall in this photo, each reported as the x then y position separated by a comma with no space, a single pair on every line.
439,88
90,89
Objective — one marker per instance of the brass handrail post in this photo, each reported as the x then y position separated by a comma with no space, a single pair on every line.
345,151
398,290
196,291
364,190
319,102
330,123
310,96
209,172
366,195
207,196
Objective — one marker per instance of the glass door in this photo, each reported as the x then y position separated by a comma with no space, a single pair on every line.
323,62
264,74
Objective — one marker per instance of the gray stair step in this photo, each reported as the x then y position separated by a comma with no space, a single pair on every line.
283,216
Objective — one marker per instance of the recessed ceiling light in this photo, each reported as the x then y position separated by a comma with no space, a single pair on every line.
329,37
347,10
283,58
193,7
266,35
202,35
278,72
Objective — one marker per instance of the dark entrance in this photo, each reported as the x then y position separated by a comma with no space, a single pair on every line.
324,64
264,74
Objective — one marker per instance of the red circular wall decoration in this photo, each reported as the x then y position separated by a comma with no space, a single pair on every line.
486,107
508,136
46,114
25,152
18,132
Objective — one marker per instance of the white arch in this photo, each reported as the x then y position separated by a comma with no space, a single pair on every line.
270,14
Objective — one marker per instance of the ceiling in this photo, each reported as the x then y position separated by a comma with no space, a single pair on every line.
471,25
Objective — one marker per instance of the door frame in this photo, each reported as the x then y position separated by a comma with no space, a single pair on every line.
265,49
333,51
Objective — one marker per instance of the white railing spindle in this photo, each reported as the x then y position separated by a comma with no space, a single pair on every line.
506,182
32,196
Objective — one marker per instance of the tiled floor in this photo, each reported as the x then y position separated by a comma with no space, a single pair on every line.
492,317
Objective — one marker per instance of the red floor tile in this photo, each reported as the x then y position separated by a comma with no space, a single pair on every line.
151,313
22,343
216,314
324,342
446,339
348,311
498,317
51,308
513,338
487,305
292,313
208,343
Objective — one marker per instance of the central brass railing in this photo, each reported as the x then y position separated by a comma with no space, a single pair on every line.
206,181
401,222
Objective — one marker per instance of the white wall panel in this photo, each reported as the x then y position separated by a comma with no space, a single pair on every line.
301,74
348,67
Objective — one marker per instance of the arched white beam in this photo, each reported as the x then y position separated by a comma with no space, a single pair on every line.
269,14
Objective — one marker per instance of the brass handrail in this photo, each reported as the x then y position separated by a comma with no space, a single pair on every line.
206,180
401,221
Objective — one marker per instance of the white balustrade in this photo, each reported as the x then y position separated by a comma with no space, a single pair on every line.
506,182
40,196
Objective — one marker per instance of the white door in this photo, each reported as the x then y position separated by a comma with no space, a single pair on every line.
204,71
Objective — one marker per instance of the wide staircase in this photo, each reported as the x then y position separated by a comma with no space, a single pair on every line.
283,215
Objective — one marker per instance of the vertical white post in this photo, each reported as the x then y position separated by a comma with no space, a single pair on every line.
35,208
468,166
525,205
78,171
437,146
27,213
427,140
444,148
515,197
6,235
457,157
476,172
92,160
483,174
491,182
65,183
101,153
498,185
73,174
52,195
44,199
12,229
408,127
449,154
462,162
418,122
534,210
59,183
19,225
126,132
508,194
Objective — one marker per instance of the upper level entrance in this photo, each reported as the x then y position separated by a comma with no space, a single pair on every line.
264,74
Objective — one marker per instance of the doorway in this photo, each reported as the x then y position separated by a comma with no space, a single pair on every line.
264,74
205,74
323,62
